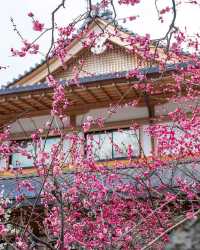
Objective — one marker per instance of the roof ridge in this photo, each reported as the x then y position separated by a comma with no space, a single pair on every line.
106,15
89,79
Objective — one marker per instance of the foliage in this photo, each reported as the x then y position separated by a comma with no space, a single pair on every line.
89,205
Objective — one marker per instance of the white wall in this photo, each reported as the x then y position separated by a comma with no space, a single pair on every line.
31,124
164,109
124,113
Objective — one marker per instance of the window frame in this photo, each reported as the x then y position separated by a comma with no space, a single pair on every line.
27,140
85,145
111,131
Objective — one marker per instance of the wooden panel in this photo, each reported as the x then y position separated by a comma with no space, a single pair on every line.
81,98
112,60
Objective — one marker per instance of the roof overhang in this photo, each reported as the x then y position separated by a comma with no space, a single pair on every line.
91,92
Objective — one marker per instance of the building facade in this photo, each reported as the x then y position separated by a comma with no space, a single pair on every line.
98,86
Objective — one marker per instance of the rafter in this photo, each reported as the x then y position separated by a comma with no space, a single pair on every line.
14,104
118,90
40,101
5,107
5,102
47,97
73,92
106,93
27,103
2,112
93,95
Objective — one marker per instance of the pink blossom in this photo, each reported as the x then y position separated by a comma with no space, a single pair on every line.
2,229
30,14
2,211
191,215
131,2
37,26
31,48
165,10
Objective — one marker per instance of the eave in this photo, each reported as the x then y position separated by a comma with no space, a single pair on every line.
91,92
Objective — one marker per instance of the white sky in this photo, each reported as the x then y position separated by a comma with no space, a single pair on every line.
18,9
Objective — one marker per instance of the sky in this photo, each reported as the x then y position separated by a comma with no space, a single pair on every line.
147,22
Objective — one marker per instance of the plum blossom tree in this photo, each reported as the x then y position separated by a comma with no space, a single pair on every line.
131,206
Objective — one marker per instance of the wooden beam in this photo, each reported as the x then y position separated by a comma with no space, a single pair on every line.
96,98
118,90
2,113
72,121
149,107
106,93
151,113
5,104
72,109
50,99
73,92
39,101
27,103
14,104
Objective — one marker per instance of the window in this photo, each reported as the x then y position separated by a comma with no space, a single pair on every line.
25,155
100,145
28,150
122,140
73,147
109,145
49,142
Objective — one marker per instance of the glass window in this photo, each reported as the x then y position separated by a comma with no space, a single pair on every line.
25,156
20,158
2,162
28,151
49,142
101,144
122,140
113,144
67,150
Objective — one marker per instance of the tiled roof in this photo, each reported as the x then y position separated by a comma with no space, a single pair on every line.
84,80
10,187
106,15
164,175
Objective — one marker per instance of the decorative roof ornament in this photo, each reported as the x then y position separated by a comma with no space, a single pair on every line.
100,44
106,13
98,11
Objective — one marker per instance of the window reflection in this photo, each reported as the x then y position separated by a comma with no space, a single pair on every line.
25,156
105,145
113,144
123,139
101,144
